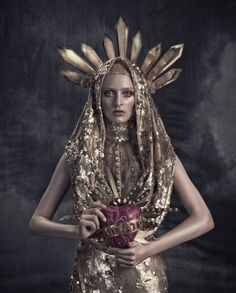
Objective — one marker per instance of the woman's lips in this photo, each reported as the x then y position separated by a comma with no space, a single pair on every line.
118,113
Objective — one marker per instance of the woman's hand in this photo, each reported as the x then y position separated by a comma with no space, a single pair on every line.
132,256
89,221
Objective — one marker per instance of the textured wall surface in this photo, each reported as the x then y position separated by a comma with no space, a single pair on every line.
39,109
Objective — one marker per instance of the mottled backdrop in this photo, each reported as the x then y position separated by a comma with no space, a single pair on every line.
39,110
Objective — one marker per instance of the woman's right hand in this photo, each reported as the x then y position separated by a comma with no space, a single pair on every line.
89,220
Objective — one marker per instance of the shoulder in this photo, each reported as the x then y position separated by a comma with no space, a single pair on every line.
62,165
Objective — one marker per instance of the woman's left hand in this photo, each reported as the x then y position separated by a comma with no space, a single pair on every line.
132,256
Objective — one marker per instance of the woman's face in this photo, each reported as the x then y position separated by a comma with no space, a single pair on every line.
118,98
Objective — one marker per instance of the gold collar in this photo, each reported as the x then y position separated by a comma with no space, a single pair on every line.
119,132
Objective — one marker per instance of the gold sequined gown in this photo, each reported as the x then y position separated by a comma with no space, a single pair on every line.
94,270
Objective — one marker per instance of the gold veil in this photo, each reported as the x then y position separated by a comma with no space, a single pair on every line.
85,152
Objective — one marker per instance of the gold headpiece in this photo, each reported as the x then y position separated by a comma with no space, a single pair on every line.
118,68
153,68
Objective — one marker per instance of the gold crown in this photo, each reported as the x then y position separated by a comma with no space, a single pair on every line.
153,67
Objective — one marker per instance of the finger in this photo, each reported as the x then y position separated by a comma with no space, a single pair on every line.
129,258
97,212
85,233
125,262
92,218
133,244
121,251
125,265
89,225
114,250
98,204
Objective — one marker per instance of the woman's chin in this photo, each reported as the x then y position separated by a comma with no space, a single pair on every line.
120,119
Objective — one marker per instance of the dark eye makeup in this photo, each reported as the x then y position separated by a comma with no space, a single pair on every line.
128,93
108,93
111,93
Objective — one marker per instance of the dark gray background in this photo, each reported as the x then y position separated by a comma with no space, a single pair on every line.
39,110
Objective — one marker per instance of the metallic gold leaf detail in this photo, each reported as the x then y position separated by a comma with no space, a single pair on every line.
165,79
75,60
91,55
136,46
76,78
151,58
166,61
109,48
122,36
112,183
141,235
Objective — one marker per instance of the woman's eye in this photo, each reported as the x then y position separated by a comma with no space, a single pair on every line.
128,93
108,93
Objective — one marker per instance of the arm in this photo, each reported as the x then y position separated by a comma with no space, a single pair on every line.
41,222
199,222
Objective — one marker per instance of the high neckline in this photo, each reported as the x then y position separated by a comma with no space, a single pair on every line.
119,132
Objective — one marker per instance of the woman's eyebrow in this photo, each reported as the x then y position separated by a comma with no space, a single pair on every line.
111,88
108,88
128,88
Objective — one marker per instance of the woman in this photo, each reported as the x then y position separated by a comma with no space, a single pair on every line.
119,152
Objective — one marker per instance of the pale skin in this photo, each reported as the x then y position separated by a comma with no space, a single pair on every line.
118,93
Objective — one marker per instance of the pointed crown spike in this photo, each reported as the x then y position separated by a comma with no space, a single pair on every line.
151,58
122,36
76,78
136,47
109,48
165,79
91,55
166,61
75,60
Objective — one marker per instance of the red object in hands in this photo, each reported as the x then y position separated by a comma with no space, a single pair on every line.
116,215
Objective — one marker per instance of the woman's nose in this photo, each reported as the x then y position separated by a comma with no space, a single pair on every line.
118,99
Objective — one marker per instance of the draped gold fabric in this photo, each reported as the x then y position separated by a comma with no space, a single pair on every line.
109,162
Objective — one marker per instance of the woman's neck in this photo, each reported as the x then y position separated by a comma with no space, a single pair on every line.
119,132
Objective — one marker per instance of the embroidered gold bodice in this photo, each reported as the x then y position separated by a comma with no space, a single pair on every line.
121,158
